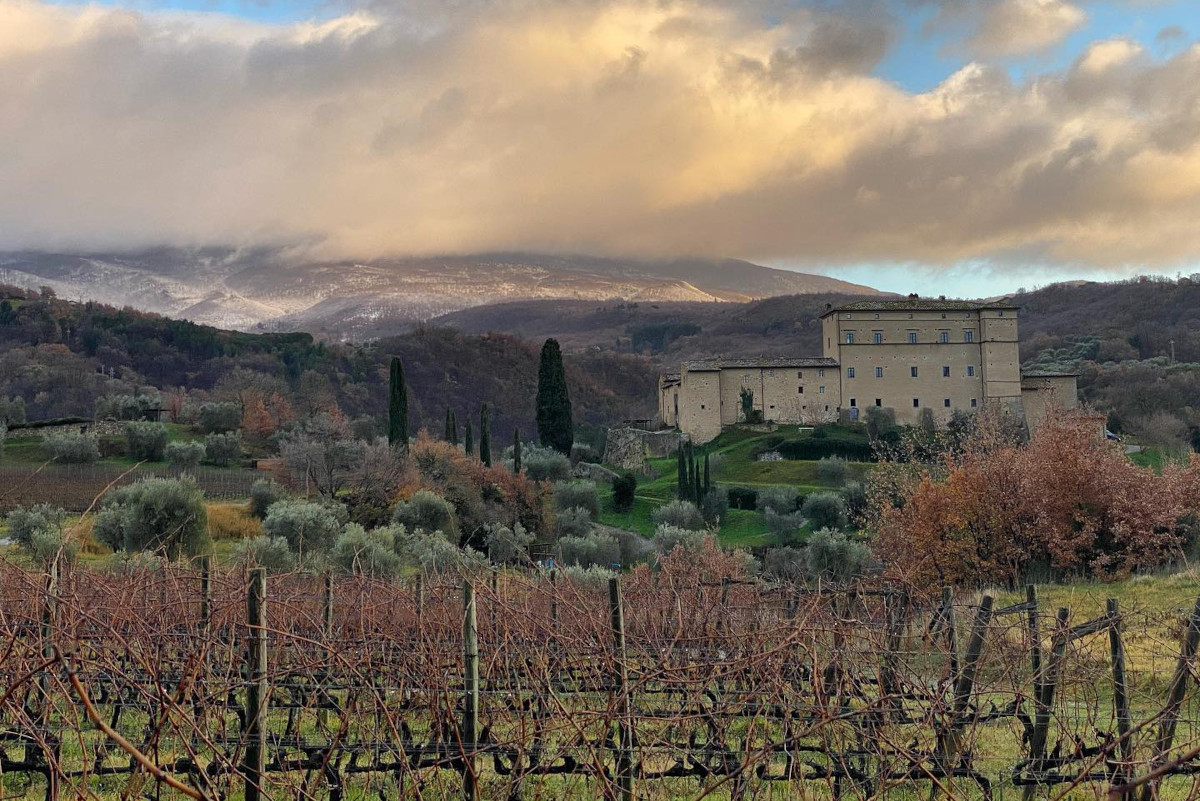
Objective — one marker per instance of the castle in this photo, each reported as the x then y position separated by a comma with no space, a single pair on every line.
906,355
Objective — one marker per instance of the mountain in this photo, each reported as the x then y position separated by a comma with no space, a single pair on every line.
271,290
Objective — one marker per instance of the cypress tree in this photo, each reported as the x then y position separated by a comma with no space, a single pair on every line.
469,440
397,406
707,476
680,474
485,435
698,494
555,426
449,435
453,428
517,451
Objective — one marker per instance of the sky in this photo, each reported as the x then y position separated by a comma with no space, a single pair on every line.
960,147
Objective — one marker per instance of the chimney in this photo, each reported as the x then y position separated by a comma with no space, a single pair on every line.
828,306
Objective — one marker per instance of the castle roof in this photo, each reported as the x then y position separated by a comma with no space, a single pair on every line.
712,365
920,304
1048,374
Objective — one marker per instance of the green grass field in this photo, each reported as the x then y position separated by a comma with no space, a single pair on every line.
737,449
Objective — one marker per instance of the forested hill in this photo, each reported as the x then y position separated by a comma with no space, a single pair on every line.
59,356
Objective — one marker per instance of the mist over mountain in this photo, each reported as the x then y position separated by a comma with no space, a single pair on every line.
270,290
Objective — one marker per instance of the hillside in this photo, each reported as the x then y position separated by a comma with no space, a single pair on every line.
264,289
59,356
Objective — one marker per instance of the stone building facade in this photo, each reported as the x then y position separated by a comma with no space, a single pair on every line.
906,355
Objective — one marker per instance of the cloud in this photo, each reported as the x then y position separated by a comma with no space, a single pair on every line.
1019,27
653,127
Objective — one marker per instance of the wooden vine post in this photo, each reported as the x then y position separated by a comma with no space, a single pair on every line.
257,699
1044,699
470,712
1120,690
1170,713
625,707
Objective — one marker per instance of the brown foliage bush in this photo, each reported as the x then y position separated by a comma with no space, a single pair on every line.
1067,497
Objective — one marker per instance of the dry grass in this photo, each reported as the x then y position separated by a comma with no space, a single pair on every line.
231,521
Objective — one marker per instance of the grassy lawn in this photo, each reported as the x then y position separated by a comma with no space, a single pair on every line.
739,468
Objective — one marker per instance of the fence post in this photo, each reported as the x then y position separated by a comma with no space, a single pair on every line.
1045,699
625,708
1170,713
49,618
256,689
327,631
206,597
963,688
420,598
470,715
1120,694
554,606
723,616
1035,639
951,632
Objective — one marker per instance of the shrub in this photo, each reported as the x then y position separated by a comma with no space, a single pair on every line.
47,544
714,505
785,564
680,514
591,550
716,464
572,523
832,556
635,548
825,510
577,495
582,452
184,455
222,449
743,498
855,496
127,407
429,512
881,422
159,514
543,464
668,538
833,470
264,493
508,545
781,500
593,577
269,552
363,553
70,448
218,418
145,441
12,411
624,492
820,445
232,522
783,526
24,521
432,552
305,525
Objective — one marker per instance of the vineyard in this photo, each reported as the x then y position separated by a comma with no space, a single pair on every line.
686,682
75,487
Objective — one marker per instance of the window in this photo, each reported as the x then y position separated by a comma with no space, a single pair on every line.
912,371
946,371
974,402
827,407
943,315
770,374
971,371
943,337
800,390
820,390
877,337
799,374
849,337
849,316
912,337
849,372
853,402
820,374
876,316
916,403
746,379
879,401
773,405
879,372
945,403
968,335
1001,314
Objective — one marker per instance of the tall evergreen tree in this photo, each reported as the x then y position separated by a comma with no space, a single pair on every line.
707,476
697,490
397,405
450,434
555,426
469,440
681,484
517,451
485,435
453,429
